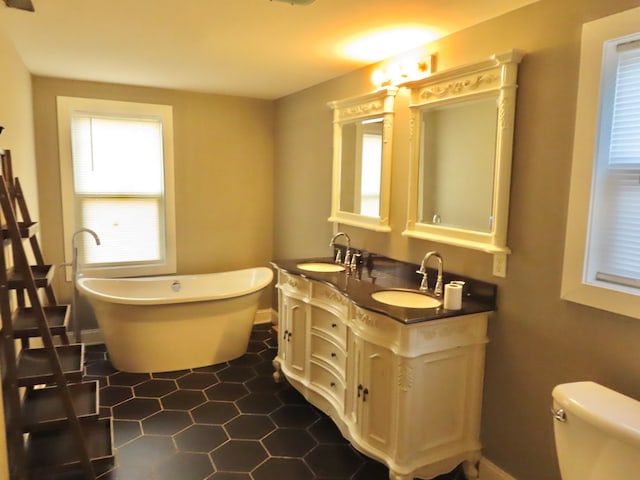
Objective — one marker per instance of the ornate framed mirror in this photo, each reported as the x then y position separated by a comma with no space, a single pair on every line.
362,145
462,123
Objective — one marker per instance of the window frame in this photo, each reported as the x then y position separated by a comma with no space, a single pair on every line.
65,107
575,286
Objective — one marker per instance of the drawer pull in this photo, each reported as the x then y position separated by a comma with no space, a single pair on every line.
333,355
333,384
334,325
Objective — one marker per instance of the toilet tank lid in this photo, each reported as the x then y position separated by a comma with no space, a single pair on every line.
604,408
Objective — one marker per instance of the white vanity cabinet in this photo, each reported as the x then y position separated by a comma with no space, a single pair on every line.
371,403
407,394
294,334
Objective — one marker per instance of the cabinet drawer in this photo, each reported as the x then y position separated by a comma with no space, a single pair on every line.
327,323
327,382
329,352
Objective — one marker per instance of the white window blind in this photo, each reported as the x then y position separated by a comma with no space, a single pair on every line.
624,147
118,177
117,155
614,253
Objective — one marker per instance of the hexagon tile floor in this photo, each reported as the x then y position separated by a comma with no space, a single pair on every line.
225,422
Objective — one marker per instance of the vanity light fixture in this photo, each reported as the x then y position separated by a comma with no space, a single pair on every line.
403,70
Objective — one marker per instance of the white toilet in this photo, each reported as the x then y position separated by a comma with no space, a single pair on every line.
597,432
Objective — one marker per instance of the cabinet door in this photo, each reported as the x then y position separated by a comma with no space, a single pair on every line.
374,404
437,403
293,339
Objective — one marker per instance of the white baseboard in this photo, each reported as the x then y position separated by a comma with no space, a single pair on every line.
490,471
265,315
89,337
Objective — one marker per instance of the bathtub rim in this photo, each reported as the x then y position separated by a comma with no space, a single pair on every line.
82,284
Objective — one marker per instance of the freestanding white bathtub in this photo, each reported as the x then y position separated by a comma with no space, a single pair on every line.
166,323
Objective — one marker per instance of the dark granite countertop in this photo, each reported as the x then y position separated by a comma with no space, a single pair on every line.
379,273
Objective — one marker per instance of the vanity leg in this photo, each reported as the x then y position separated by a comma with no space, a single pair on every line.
398,476
470,467
277,376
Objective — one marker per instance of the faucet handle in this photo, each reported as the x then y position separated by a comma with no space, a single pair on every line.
424,284
355,261
338,258
437,290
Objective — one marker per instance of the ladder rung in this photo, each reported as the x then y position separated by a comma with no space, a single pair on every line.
42,274
43,407
25,321
27,230
34,364
54,451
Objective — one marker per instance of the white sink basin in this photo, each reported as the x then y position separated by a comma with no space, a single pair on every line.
320,267
405,298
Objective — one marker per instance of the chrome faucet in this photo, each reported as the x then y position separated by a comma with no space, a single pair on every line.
74,244
347,255
88,230
77,332
424,285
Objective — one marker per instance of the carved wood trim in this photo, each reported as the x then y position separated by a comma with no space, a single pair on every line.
505,117
458,87
361,110
291,281
406,375
446,330
332,296
362,317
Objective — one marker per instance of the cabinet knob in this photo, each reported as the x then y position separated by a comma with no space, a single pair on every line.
334,325
333,384
365,392
359,390
333,355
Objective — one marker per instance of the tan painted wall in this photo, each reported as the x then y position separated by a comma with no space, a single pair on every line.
536,339
16,115
224,149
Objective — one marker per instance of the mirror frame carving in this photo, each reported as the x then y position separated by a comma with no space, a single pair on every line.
376,104
495,76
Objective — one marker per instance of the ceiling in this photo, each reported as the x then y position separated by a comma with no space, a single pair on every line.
255,48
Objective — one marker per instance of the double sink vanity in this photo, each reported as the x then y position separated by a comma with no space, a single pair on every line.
400,379
398,370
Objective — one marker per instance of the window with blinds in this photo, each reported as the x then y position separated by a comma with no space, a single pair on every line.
601,264
614,243
118,186
117,179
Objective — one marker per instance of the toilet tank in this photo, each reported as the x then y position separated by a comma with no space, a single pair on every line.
597,432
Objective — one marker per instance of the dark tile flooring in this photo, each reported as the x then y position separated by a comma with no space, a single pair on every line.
224,422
